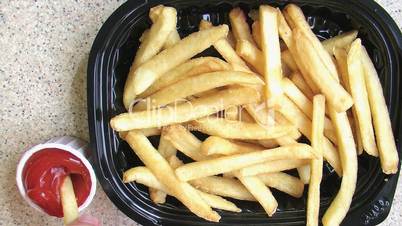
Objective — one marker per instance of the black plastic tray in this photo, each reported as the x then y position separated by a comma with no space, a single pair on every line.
113,51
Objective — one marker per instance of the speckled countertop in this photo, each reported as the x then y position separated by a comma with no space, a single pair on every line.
44,48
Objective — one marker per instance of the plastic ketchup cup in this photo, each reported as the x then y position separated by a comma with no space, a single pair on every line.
42,169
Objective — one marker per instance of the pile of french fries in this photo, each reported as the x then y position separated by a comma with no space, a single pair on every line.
274,83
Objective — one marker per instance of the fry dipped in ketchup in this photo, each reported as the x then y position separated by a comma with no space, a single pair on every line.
44,175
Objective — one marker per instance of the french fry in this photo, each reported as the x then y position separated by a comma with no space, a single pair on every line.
141,174
347,151
283,182
251,55
164,173
173,36
219,202
123,135
226,50
360,97
299,81
150,46
172,39
146,74
207,93
301,121
273,166
184,141
186,111
268,143
289,20
222,186
157,35
155,12
356,134
225,164
304,173
167,150
340,41
231,39
151,131
237,129
144,35
341,57
317,135
283,27
305,73
218,145
190,68
296,16
256,32
260,192
250,141
287,58
68,201
144,176
306,106
287,36
147,132
333,91
285,31
240,28
382,123
272,54
197,84
174,162
157,196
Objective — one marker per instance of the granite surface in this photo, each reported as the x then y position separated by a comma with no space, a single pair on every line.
44,51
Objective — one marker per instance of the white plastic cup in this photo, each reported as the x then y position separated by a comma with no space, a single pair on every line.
73,145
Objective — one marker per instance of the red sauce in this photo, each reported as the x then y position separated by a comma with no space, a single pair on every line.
45,171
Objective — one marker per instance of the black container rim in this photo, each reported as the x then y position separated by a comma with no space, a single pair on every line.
95,118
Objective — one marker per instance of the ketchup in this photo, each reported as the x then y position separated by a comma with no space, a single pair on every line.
44,173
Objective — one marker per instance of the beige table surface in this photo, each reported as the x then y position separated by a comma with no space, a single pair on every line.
44,48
